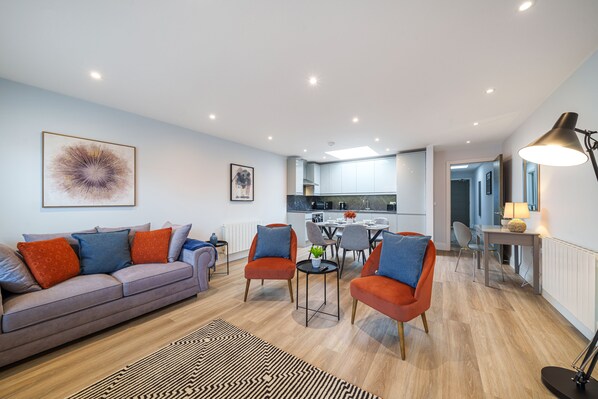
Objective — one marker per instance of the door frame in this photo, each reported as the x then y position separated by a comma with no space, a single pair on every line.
447,182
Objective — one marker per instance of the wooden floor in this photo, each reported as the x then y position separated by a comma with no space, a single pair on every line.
483,342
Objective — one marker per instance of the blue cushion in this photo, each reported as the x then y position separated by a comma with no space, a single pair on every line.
402,257
273,242
104,252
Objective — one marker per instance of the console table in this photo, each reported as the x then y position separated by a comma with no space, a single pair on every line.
502,236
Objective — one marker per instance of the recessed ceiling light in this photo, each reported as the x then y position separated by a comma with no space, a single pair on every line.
388,149
476,123
459,167
376,139
313,80
269,137
352,153
526,5
324,157
468,141
212,116
95,75
355,119
490,90
304,150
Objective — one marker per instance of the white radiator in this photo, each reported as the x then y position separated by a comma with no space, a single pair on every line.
239,235
569,280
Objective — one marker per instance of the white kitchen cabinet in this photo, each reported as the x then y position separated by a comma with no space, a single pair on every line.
295,176
364,177
325,179
411,183
335,178
317,177
385,175
349,177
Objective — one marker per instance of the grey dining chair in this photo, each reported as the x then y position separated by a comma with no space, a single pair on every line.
354,238
464,237
314,235
380,220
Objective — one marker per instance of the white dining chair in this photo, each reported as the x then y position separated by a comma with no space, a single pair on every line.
380,220
464,237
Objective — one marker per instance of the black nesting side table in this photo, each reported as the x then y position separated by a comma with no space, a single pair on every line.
327,266
220,243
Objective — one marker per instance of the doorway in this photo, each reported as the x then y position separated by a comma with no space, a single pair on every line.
460,198
475,195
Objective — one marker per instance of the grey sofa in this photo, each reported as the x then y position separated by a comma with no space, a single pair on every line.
37,321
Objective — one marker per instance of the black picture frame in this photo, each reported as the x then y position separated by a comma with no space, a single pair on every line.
242,183
489,183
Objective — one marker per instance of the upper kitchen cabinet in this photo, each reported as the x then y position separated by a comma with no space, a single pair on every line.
385,175
371,176
364,182
295,176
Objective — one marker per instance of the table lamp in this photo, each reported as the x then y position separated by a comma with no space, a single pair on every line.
561,147
516,211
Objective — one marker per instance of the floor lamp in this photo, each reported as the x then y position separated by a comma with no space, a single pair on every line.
561,147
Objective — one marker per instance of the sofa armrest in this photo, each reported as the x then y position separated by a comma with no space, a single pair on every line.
201,259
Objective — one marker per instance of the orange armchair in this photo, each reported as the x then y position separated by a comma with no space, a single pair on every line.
271,268
393,298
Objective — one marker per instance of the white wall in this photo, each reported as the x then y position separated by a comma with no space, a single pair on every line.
467,153
568,195
182,175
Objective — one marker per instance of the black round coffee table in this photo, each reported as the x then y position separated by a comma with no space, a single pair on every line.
327,266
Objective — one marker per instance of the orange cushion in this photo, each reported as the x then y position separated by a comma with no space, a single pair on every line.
50,261
151,246
270,269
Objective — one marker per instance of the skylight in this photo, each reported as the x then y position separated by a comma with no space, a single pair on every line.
459,167
353,153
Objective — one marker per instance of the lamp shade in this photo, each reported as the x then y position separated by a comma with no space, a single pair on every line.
516,210
559,147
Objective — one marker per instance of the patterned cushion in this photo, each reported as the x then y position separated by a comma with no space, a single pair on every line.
179,235
104,252
50,261
151,246
14,275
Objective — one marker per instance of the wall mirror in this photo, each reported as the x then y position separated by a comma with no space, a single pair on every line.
531,185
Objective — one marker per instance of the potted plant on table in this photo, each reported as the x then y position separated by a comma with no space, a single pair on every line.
316,251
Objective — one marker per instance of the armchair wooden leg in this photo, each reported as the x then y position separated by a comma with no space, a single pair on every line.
290,289
401,338
353,311
246,289
425,322
262,281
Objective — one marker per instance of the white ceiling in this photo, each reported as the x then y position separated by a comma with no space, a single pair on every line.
414,72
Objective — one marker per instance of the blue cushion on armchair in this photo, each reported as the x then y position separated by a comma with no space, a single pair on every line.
273,242
402,257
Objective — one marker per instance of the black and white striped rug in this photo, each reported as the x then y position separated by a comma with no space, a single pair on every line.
221,361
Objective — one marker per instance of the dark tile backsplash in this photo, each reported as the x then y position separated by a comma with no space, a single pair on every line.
354,202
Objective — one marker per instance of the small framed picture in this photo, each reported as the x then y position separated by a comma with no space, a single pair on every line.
489,183
242,181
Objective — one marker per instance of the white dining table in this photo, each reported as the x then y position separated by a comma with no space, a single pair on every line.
374,229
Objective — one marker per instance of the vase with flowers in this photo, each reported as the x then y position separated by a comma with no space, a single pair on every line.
350,216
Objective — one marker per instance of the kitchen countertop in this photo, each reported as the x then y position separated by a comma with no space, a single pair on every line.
358,211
